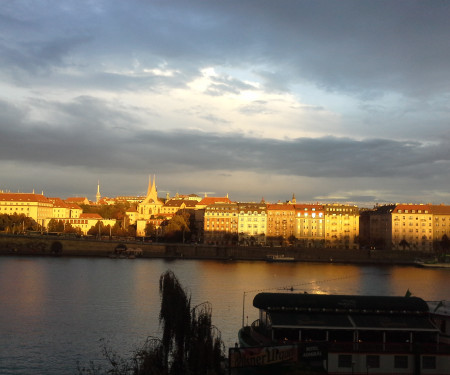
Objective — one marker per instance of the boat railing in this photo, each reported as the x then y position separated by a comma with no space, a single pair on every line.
372,347
258,333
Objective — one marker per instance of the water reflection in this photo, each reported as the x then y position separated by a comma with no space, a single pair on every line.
54,311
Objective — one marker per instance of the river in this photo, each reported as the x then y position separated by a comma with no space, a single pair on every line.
54,312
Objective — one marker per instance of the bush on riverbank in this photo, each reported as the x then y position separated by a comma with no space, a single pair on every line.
190,343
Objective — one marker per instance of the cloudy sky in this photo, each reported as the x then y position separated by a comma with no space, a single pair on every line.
335,101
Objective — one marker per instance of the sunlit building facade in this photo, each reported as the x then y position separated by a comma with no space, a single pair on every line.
407,227
36,206
309,227
441,222
412,227
280,223
221,223
341,226
252,223
149,208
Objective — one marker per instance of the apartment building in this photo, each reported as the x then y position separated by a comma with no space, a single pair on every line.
309,225
32,205
412,227
406,227
252,223
341,226
221,223
280,223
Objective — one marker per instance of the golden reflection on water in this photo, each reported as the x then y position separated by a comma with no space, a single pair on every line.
27,288
60,307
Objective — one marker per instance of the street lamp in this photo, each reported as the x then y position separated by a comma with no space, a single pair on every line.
243,309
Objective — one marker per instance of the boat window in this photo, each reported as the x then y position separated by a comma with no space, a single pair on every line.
373,361
345,360
401,361
428,362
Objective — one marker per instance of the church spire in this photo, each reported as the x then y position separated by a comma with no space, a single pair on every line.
149,188
294,201
98,195
152,194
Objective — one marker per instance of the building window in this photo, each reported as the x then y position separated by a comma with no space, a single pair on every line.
345,360
401,361
428,362
373,361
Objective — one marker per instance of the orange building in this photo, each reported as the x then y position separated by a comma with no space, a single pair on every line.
412,227
221,223
309,227
32,205
280,223
341,226
252,221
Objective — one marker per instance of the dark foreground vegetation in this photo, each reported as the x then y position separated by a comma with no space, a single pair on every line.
190,344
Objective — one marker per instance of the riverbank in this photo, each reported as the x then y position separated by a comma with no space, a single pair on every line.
81,247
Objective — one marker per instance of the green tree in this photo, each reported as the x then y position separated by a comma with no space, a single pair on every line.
190,344
404,244
445,244
98,229
177,229
16,223
55,226
150,230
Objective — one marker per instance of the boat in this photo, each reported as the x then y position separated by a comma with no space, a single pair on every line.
279,258
340,334
440,316
433,264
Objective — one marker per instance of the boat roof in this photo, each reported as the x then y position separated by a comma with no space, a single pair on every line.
372,322
338,303
343,312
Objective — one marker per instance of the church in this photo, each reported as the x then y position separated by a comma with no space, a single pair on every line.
150,207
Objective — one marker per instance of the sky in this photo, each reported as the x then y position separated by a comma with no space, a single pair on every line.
333,101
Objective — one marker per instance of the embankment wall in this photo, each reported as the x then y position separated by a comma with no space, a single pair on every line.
48,246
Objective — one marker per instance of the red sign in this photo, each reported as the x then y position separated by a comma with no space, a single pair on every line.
261,356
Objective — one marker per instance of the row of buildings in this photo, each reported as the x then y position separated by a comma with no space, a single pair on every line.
421,227
218,220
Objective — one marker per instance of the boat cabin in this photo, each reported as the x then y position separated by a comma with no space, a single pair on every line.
347,334
364,320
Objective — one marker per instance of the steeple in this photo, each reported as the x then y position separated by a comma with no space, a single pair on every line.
98,195
294,201
149,188
152,194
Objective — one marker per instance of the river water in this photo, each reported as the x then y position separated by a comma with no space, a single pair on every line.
56,312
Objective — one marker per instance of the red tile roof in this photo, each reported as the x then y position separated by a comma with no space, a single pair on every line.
411,207
440,209
23,197
273,207
211,200
90,216
80,200
302,206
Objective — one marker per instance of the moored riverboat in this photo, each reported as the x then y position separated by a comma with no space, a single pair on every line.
279,258
342,334
440,316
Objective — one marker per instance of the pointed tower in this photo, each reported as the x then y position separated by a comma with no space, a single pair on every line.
152,193
149,188
294,201
98,195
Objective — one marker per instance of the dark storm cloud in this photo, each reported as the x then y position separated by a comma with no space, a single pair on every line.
362,48
89,86
106,137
